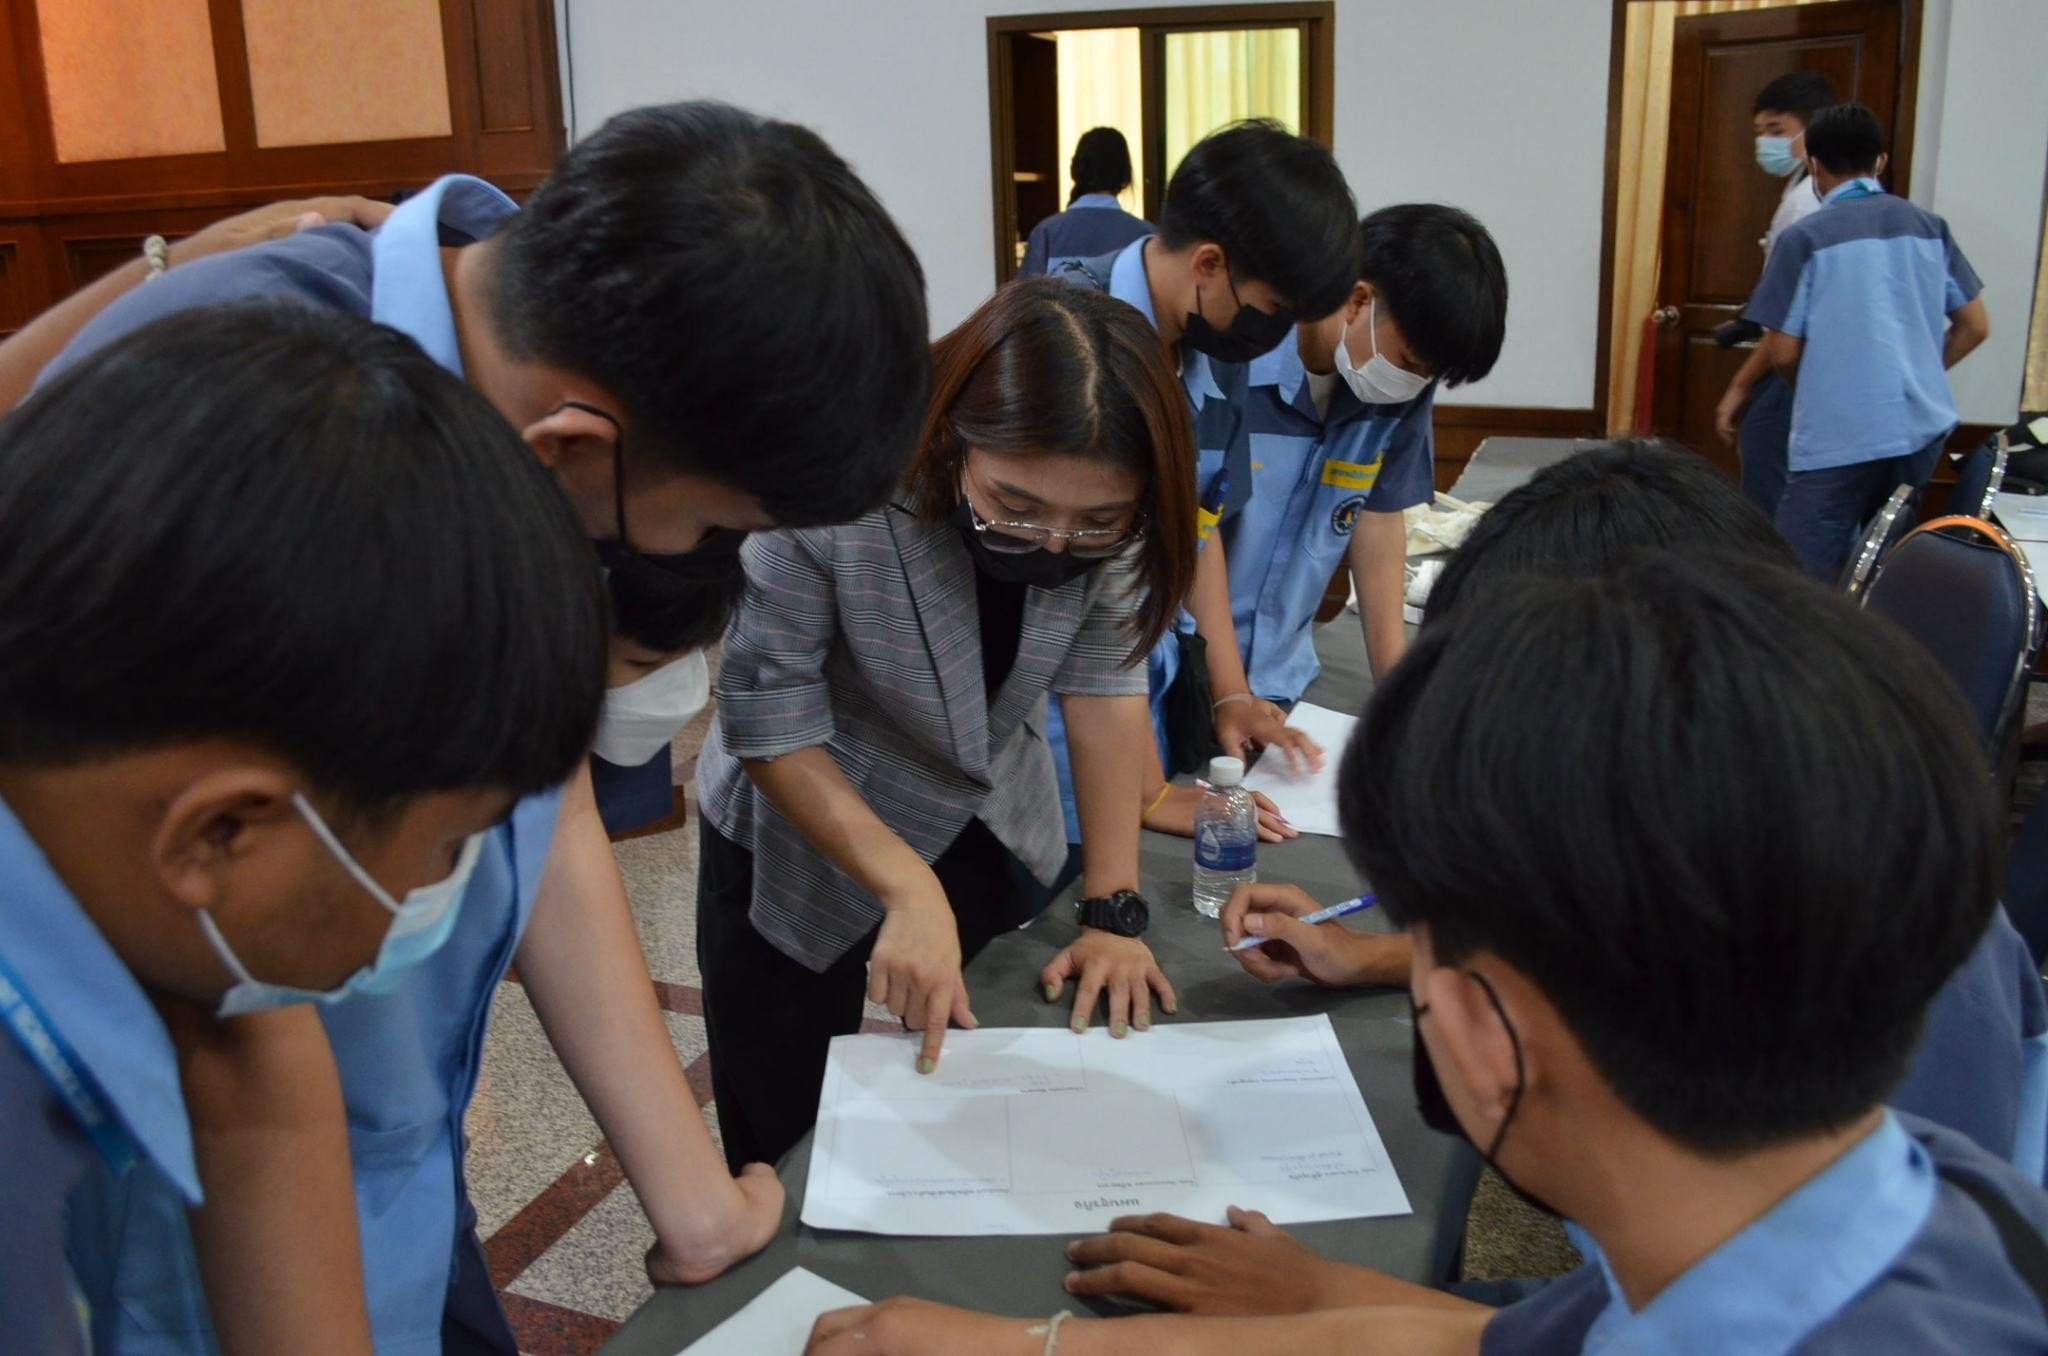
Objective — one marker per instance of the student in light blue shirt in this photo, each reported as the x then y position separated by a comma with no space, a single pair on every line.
1258,231
205,810
1866,304
1094,223
1680,1035
670,436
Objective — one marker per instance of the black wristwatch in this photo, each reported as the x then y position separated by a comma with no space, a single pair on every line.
1124,913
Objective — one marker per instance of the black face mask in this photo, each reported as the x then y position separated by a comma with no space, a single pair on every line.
1252,332
1038,567
1436,1108
713,560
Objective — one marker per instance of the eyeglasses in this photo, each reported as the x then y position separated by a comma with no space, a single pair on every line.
1093,543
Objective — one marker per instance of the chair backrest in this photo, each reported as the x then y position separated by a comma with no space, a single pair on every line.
1980,473
1965,591
1869,553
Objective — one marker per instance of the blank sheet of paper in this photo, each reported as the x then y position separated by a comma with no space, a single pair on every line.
1308,801
777,1322
1040,1131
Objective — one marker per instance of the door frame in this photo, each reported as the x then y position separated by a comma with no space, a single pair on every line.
1912,13
1316,20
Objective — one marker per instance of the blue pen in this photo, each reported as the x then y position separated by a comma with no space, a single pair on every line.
1319,916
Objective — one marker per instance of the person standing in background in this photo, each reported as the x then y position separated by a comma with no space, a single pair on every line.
1094,222
1865,306
1757,399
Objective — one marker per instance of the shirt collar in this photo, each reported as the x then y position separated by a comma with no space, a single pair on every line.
1096,201
91,998
1859,186
1128,284
1783,1275
408,290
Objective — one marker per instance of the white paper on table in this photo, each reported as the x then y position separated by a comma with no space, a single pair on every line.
776,1322
1307,800
1040,1131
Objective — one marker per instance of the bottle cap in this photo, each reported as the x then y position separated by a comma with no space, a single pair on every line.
1226,772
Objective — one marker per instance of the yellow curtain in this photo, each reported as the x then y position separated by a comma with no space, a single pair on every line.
1099,87
1216,78
1639,196
2034,391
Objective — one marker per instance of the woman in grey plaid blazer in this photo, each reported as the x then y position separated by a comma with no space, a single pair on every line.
878,799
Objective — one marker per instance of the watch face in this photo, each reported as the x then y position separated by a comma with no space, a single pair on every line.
1131,914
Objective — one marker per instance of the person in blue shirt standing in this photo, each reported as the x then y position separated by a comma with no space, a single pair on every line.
1736,1181
1853,301
1258,231
633,323
1094,222
1755,412
205,811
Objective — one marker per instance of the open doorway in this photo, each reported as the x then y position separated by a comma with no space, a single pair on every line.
1688,206
1165,78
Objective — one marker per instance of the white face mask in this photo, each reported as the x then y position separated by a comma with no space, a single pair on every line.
418,927
1379,382
641,717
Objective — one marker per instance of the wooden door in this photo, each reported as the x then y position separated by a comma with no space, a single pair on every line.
1717,203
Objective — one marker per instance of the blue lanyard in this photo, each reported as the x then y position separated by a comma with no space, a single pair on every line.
62,1071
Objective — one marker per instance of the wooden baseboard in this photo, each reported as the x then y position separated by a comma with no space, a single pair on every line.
1460,429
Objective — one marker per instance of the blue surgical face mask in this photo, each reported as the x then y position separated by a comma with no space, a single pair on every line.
1774,155
418,927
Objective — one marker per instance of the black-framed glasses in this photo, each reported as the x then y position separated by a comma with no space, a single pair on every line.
1009,538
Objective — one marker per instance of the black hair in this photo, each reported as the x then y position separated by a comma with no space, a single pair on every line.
1737,831
292,528
1101,163
732,283
1277,205
666,613
1437,272
1802,94
1845,139
1582,516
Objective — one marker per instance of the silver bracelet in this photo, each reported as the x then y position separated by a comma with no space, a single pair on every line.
1051,1329
1219,703
156,257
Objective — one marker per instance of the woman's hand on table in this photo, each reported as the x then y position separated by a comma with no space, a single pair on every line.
1104,965
1329,954
1246,724
1176,815
1250,1268
914,970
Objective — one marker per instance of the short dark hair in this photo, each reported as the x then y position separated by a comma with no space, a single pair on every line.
1845,139
1279,207
666,612
1043,366
1101,163
1802,94
1736,830
740,291
1437,271
1581,517
291,528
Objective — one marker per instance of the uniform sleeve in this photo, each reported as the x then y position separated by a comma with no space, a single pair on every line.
773,698
1781,297
320,267
1099,664
1408,466
1963,283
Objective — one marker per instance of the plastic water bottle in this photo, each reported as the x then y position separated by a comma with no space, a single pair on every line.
1226,837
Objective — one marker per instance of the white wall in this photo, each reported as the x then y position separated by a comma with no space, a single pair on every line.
1994,151
1510,125
1498,106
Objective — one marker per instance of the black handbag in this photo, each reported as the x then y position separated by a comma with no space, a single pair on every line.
1189,709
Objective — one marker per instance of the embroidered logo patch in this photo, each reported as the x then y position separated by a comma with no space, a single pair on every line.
1345,516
